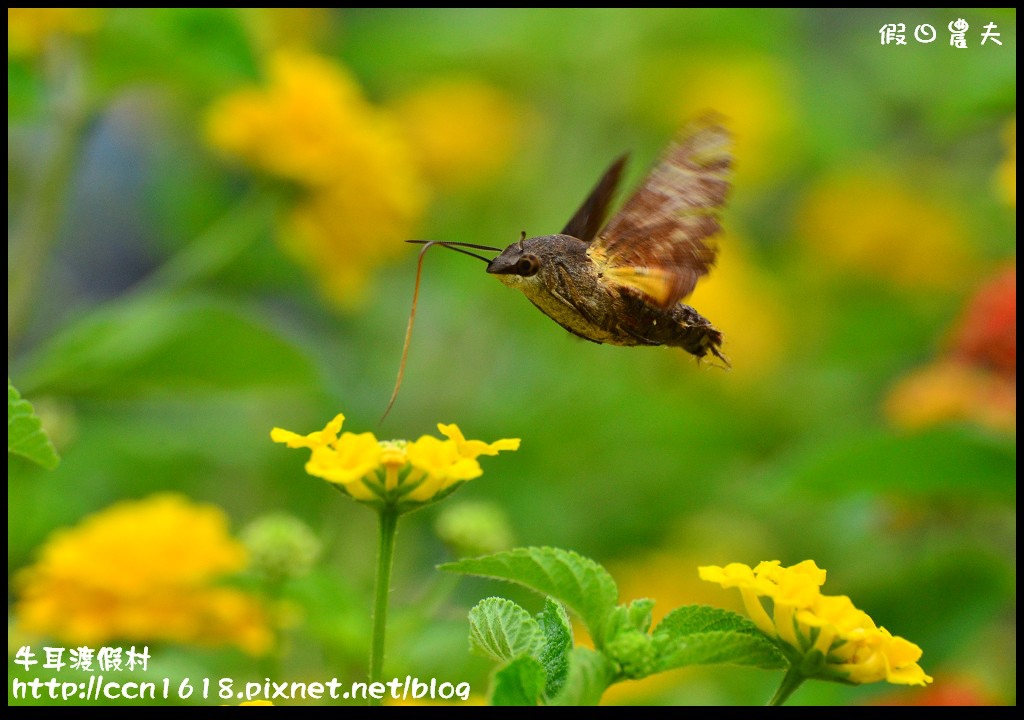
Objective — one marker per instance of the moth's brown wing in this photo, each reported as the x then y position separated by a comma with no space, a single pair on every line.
662,240
594,210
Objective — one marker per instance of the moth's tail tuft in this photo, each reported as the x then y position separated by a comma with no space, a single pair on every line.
698,336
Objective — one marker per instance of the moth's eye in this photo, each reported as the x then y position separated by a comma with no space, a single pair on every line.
527,265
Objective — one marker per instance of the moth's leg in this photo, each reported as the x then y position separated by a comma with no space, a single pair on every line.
640,338
598,342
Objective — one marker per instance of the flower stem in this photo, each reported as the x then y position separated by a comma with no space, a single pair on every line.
382,586
793,679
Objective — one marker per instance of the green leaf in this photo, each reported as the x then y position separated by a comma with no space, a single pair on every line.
690,619
583,585
590,673
165,343
701,635
554,655
501,630
25,434
518,683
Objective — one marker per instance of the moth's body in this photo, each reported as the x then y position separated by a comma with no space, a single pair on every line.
623,283
569,287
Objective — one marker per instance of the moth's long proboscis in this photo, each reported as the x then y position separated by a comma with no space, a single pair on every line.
408,328
427,244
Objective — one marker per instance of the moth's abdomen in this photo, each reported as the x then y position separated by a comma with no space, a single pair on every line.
695,334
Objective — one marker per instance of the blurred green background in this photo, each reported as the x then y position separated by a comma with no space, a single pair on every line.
185,274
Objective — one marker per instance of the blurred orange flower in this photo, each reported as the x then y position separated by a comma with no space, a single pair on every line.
950,391
955,691
142,570
976,379
986,334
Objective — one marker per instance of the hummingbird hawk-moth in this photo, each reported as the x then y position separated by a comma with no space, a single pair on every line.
622,283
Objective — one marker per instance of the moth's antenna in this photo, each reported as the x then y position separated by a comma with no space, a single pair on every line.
457,247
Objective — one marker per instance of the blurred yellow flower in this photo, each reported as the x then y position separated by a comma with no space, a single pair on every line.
361,191
142,570
339,234
464,131
823,634
400,473
752,91
871,224
738,295
1007,176
29,29
276,28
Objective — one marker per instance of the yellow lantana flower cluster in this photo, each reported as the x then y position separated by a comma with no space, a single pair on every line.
392,473
825,635
361,189
142,570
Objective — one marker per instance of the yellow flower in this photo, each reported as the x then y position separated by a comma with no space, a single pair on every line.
475,448
342,231
30,29
1007,176
464,131
271,28
825,634
361,191
142,570
871,224
394,473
